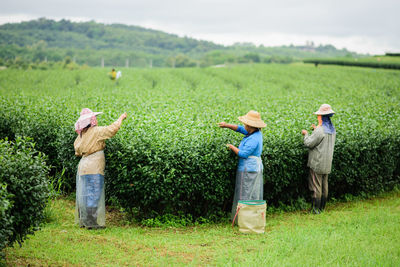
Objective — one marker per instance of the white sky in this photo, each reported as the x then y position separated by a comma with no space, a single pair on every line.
364,26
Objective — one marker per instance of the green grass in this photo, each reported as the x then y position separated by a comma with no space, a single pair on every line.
359,233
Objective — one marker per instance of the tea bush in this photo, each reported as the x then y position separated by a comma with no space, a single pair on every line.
23,190
5,219
170,157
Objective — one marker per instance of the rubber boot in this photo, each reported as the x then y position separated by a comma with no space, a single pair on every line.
323,203
87,220
92,218
316,204
312,205
81,223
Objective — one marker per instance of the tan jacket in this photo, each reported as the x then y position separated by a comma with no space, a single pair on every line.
321,146
92,141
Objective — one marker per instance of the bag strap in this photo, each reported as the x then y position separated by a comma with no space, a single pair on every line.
237,211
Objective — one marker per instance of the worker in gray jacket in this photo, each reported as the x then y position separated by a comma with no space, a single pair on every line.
321,144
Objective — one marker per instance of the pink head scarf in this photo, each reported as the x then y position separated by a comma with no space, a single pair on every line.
87,118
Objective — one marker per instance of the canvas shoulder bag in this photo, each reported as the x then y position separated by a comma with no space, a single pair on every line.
251,216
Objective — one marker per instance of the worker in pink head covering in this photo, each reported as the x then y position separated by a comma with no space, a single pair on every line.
90,144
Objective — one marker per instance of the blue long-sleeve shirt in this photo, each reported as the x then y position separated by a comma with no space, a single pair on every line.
251,145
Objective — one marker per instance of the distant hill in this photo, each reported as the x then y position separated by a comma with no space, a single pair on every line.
121,45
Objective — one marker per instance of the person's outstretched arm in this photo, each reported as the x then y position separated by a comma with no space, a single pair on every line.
110,130
227,125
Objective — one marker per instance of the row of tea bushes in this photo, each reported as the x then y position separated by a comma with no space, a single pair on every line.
352,62
170,157
24,190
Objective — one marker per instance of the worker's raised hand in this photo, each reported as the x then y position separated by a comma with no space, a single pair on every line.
313,126
222,124
123,116
304,132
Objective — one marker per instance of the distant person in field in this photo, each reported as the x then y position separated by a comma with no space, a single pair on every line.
90,144
321,144
249,175
113,75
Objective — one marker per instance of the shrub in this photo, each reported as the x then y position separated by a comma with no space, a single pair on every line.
5,218
24,190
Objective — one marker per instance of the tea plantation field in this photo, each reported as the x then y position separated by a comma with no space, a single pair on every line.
170,156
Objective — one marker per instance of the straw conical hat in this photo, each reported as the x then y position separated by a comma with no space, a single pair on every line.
325,109
252,118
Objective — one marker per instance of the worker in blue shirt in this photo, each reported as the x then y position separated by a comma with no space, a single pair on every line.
249,174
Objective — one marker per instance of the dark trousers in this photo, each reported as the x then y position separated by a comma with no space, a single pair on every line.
318,185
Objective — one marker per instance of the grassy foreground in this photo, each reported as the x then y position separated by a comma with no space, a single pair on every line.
359,233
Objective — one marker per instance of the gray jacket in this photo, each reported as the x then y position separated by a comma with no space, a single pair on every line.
320,152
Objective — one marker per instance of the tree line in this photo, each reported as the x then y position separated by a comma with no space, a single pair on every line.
91,43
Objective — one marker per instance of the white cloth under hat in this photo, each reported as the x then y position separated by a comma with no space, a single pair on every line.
87,117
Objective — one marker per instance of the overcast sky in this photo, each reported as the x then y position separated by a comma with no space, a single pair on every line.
363,26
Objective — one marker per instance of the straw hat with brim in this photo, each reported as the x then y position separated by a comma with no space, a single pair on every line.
325,109
253,119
